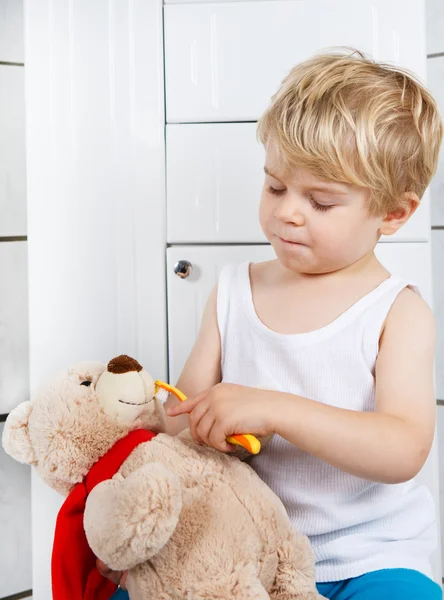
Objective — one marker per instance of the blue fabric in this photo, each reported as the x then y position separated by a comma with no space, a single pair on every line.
120,595
388,584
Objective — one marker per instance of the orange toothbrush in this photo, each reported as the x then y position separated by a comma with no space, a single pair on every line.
246,440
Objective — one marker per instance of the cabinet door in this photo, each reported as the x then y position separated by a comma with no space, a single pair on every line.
15,526
12,151
215,174
187,297
14,339
214,182
11,31
223,61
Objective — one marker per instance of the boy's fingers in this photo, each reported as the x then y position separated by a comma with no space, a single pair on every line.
123,579
104,570
196,417
186,406
181,409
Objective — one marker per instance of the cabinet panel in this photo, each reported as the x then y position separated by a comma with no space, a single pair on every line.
14,353
214,73
11,31
187,297
214,182
438,303
12,152
15,525
435,23
435,81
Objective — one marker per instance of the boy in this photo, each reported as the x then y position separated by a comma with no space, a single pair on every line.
323,347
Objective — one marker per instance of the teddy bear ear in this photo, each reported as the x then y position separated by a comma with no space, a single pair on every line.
15,439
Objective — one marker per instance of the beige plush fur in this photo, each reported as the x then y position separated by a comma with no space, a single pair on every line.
189,522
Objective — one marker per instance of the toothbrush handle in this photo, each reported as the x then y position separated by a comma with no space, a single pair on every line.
246,440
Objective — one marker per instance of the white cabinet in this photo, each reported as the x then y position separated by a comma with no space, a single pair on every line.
223,61
95,167
15,526
187,297
12,151
14,360
214,182
11,31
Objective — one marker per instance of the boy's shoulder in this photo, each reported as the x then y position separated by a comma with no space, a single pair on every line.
409,312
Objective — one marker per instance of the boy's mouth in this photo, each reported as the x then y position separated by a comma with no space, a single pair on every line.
291,242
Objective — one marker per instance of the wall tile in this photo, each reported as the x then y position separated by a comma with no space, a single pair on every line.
12,151
438,309
15,525
434,26
14,361
11,31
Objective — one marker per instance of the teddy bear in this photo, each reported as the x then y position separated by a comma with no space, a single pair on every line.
187,521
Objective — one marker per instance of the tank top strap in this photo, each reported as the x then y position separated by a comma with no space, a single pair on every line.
227,295
363,320
376,314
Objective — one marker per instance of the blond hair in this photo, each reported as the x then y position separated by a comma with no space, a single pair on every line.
348,118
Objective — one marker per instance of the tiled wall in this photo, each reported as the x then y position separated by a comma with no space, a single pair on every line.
435,78
15,484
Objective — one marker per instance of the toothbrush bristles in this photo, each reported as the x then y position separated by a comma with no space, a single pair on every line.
162,395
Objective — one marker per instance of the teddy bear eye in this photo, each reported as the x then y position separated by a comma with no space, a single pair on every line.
87,383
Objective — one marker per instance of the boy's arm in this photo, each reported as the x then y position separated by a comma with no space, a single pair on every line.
202,368
391,444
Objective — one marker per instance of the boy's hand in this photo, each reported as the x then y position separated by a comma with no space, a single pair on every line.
227,409
117,577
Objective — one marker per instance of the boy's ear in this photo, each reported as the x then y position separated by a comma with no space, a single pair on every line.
15,439
396,219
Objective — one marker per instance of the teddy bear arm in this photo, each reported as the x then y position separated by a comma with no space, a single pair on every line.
128,520
295,573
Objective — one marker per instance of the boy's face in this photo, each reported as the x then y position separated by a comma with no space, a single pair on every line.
315,226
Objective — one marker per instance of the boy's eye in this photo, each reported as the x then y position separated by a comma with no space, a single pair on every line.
316,205
321,207
275,191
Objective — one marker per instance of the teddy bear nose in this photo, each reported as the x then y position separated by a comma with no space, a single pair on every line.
123,364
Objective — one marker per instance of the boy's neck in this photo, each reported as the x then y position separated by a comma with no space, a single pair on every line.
367,266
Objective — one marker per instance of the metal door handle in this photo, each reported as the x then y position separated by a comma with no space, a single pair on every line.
183,268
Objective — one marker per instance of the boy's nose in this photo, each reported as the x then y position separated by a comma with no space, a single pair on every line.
289,212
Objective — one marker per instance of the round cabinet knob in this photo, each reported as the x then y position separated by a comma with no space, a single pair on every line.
183,268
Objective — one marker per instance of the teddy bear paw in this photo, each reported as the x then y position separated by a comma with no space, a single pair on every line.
128,520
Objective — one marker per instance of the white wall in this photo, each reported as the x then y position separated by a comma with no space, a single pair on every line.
15,480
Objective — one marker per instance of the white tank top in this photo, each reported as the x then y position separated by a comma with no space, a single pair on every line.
355,526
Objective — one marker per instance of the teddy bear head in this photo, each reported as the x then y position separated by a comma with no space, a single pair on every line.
77,416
